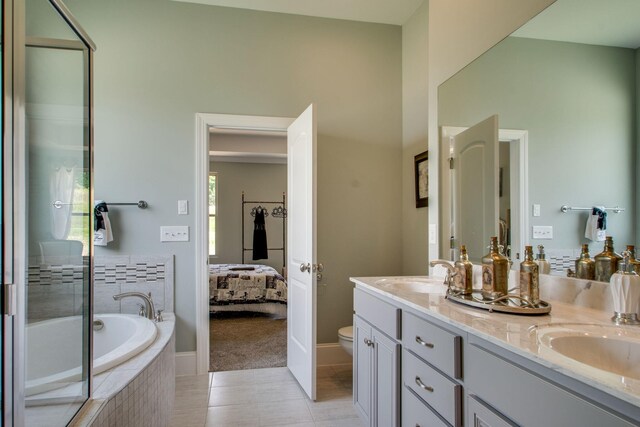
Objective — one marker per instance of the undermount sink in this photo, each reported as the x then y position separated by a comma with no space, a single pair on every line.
413,284
607,348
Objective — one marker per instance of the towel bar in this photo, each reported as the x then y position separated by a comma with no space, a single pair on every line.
565,208
141,204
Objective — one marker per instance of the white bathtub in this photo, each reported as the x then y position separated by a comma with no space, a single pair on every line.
54,350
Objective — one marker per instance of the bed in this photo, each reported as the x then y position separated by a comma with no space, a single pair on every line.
247,287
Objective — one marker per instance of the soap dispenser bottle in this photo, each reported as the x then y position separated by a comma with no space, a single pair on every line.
543,265
606,261
463,281
529,277
495,272
625,288
585,266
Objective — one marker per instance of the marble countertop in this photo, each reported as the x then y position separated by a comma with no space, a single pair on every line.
518,334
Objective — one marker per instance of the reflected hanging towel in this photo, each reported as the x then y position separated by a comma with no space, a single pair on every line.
102,233
596,229
61,186
259,237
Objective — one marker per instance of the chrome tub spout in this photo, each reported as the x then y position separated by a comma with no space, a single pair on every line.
149,308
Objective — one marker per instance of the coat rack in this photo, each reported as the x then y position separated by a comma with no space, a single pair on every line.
277,212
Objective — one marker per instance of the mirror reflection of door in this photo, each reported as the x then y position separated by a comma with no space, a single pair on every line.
475,178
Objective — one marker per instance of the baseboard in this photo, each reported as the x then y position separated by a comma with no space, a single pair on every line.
185,363
332,354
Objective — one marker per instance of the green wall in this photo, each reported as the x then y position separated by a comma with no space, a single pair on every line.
160,62
578,104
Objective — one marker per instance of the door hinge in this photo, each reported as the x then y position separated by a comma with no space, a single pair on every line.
9,298
450,162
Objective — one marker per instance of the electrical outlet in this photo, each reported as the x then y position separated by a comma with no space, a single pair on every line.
174,233
542,232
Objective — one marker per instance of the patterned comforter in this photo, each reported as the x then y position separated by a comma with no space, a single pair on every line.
245,283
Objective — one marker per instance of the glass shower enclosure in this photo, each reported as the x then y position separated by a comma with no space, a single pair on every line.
52,209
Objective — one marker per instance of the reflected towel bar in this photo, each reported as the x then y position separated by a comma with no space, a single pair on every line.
141,204
566,208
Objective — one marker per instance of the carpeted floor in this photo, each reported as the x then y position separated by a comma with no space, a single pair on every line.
246,341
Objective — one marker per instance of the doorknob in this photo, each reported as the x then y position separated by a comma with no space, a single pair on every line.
318,267
305,267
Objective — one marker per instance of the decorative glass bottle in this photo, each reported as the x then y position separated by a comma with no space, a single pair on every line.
585,266
633,262
606,261
463,281
543,265
495,272
529,277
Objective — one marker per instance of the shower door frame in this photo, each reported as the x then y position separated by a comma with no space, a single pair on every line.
6,220
15,194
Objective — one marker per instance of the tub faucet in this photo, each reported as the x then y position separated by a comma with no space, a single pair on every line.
451,270
149,308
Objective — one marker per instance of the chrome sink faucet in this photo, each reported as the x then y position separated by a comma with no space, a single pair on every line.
451,270
149,309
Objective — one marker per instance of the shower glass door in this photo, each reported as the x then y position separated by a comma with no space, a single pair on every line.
58,249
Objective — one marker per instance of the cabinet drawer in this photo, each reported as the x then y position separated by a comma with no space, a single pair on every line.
380,314
435,345
417,414
442,394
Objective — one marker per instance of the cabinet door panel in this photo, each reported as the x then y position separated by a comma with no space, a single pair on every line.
480,415
386,389
362,368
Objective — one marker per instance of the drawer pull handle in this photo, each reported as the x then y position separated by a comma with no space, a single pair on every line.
426,344
422,386
368,342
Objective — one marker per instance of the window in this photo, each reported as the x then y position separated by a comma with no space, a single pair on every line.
80,209
213,190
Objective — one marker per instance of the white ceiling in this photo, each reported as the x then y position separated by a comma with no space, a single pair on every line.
598,22
380,11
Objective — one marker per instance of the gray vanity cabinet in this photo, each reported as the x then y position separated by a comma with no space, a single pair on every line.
376,380
520,396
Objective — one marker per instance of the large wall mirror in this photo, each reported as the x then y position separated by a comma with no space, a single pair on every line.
565,90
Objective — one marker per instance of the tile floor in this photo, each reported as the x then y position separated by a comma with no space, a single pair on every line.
264,397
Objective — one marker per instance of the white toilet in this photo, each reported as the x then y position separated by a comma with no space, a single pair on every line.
345,337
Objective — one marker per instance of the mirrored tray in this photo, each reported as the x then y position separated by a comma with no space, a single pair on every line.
509,303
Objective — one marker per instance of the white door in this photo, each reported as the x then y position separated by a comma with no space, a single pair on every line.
475,165
301,244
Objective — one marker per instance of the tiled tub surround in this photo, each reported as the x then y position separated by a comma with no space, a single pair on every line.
141,391
56,290
573,301
132,273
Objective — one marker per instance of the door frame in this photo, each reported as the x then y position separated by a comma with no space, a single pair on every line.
521,140
204,122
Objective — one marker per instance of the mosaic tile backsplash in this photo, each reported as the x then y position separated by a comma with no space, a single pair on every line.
57,290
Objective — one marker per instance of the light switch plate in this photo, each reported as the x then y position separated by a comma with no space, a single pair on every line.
536,210
174,233
433,234
542,232
183,207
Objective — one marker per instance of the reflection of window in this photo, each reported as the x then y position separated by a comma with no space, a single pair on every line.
80,211
213,190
